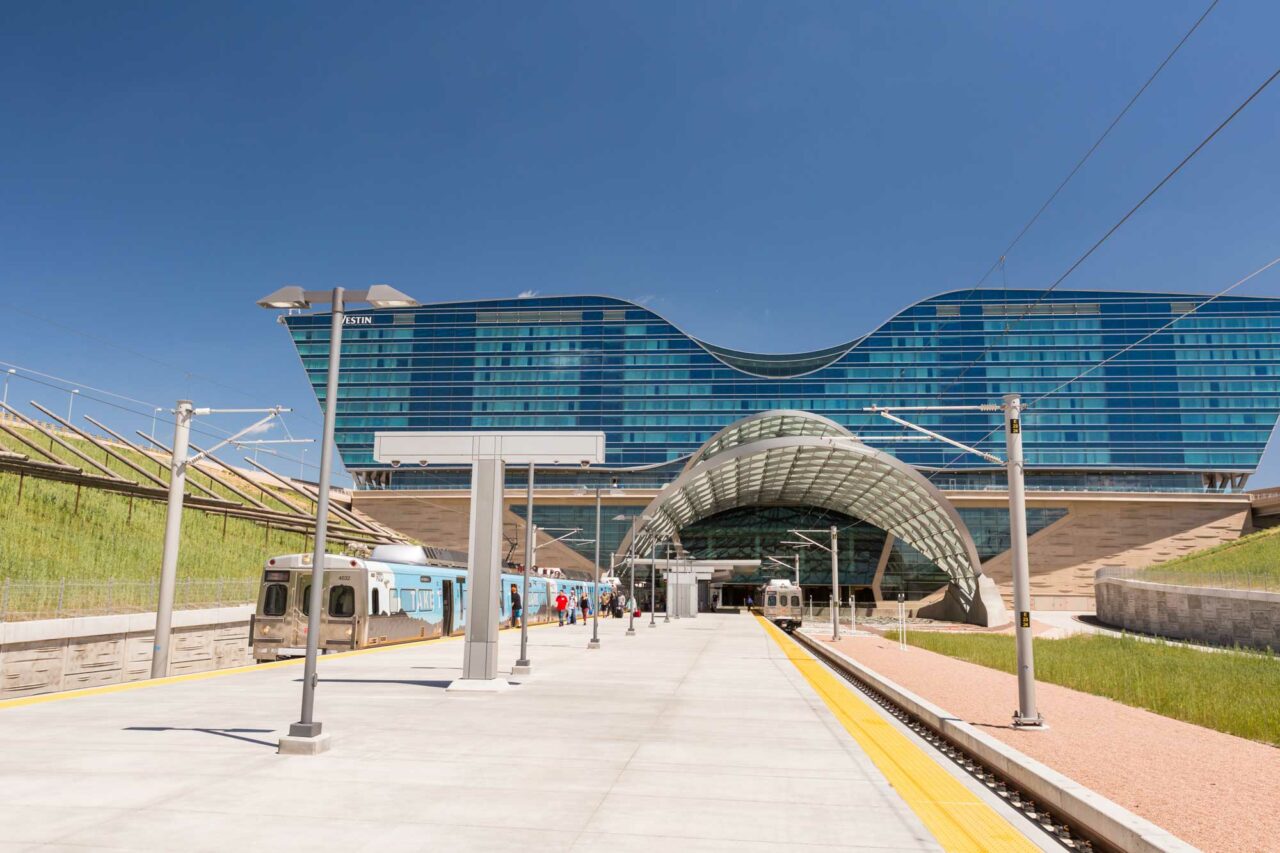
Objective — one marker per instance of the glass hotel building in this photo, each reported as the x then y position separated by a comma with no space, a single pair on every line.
1188,409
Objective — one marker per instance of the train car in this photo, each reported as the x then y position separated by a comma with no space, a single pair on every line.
397,595
781,604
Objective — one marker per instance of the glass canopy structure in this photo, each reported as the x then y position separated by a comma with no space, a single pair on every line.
793,458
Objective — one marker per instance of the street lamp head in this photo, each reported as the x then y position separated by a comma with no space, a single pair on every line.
386,296
289,296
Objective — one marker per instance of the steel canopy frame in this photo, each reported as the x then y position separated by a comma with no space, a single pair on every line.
776,459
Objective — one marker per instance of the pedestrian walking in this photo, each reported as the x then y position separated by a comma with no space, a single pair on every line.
562,602
517,606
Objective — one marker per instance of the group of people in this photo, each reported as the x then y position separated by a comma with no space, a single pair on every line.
568,607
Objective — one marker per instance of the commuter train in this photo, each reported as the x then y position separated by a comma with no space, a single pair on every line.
781,604
398,595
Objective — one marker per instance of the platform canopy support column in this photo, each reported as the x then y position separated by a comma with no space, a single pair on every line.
487,454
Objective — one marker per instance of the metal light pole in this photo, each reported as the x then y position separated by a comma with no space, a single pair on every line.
1027,714
594,642
172,538
11,372
653,584
666,562
71,401
157,411
523,667
292,296
631,604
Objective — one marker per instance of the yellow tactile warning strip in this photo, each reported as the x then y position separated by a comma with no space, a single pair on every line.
213,673
958,819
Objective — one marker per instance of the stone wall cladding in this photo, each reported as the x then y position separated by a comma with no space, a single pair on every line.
65,654
1219,617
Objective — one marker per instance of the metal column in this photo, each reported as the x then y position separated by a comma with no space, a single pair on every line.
523,666
172,539
1027,715
480,659
835,588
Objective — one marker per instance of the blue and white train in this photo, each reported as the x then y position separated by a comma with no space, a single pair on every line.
398,595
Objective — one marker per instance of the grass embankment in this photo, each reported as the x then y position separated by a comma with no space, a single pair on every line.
1234,693
1250,562
45,539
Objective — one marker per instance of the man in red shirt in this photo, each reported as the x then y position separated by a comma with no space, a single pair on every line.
561,603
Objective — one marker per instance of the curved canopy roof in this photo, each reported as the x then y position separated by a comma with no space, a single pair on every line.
792,458
775,423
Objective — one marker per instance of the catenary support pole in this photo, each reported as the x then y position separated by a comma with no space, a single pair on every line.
307,725
631,603
594,642
172,539
653,585
1027,715
835,588
666,598
523,667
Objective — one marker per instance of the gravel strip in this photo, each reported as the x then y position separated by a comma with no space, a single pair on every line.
1216,791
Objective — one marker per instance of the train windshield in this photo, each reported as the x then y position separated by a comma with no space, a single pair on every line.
342,602
275,599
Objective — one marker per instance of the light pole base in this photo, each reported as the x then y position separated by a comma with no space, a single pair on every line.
593,643
631,632
305,730
522,667
293,745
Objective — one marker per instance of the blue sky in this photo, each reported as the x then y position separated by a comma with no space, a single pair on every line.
775,176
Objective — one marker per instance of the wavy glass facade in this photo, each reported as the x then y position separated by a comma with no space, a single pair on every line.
1200,397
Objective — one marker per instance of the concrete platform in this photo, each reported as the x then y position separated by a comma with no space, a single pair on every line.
653,742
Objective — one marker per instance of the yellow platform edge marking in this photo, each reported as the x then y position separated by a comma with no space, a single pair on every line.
956,817
40,698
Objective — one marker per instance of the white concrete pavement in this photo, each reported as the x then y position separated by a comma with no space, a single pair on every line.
694,735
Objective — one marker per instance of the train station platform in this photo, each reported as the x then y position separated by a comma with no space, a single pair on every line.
712,733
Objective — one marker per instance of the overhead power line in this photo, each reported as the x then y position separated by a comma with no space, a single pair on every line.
1000,262
1116,227
1102,362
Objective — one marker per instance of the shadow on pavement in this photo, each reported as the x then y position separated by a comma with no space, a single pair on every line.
235,734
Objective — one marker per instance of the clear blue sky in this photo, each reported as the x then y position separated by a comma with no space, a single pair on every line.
774,176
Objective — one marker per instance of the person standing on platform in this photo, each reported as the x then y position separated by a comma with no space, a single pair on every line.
562,601
517,606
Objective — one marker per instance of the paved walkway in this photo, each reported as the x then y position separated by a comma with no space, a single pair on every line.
696,735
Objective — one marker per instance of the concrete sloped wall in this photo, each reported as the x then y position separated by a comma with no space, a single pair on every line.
1219,617
49,655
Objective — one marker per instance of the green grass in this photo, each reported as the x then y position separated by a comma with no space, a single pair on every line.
44,538
1250,562
1236,693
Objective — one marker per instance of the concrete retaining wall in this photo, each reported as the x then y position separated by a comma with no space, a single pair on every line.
49,655
1220,617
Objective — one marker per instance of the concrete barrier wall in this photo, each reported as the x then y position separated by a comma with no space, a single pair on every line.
1220,617
49,655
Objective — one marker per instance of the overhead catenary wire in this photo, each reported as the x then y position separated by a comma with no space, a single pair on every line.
1116,227
1001,261
218,434
1102,362
187,374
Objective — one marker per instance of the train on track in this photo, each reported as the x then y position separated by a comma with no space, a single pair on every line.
780,604
399,594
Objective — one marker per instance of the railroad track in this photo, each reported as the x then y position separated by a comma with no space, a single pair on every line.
1064,829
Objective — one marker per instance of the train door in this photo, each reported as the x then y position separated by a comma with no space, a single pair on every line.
446,597
299,606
